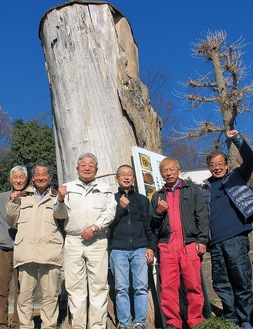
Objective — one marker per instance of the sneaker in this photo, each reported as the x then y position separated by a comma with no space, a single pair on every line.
246,325
139,326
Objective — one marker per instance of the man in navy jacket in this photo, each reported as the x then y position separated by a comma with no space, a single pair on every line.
132,245
230,204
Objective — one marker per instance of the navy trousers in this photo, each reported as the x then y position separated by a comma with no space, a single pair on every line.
231,275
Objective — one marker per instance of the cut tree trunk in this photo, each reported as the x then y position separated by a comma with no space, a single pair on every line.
99,103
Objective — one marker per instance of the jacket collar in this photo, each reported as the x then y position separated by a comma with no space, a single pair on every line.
212,179
182,185
122,191
30,190
178,185
81,183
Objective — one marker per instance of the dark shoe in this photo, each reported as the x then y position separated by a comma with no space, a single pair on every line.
170,326
246,325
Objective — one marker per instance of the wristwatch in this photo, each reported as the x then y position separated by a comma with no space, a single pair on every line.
94,230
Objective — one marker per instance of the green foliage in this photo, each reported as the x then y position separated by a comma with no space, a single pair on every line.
31,143
215,323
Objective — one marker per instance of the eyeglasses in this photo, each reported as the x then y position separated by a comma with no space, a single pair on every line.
218,164
125,175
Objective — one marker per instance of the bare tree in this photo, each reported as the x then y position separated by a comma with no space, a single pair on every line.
157,81
222,87
5,132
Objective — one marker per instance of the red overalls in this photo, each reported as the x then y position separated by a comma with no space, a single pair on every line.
176,258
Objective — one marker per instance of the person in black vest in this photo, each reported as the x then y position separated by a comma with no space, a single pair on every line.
132,246
230,204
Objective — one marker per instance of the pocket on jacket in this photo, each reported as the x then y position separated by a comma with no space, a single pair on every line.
99,200
50,227
19,238
73,200
56,239
24,207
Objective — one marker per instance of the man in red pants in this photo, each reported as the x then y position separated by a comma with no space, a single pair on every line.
179,213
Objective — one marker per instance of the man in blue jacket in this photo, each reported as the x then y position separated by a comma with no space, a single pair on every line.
132,244
230,204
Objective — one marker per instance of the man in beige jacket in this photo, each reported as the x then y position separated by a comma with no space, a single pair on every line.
38,247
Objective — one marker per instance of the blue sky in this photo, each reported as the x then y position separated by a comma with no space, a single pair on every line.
164,31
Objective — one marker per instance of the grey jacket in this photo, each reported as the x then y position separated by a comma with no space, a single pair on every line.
7,234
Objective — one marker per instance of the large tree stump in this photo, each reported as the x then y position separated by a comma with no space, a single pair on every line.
99,103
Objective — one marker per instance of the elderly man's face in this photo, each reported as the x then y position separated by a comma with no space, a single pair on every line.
41,178
125,177
218,166
87,169
18,180
170,172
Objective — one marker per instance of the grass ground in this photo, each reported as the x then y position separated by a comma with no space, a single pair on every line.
215,322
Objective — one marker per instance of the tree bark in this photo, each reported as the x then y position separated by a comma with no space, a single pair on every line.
99,103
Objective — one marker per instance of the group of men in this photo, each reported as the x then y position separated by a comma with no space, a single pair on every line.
181,220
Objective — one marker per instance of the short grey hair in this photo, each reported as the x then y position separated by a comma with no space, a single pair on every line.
18,168
87,155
